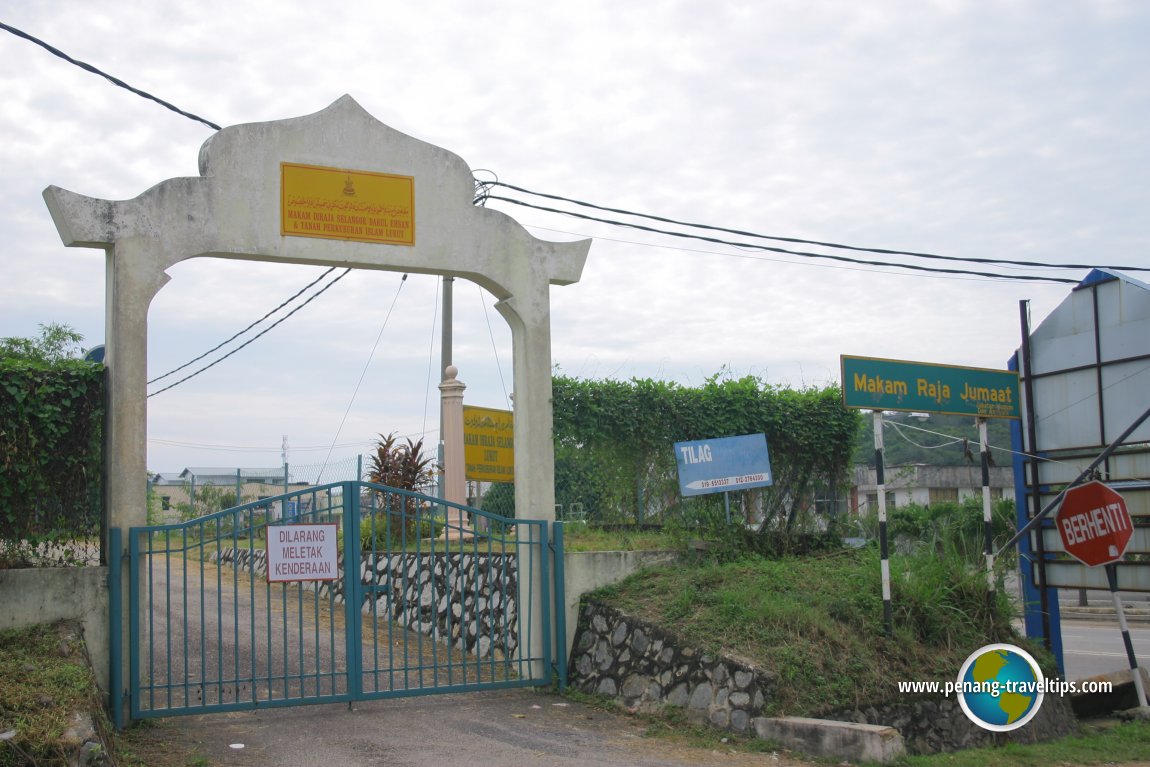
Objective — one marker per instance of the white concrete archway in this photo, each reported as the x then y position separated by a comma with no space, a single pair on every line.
238,208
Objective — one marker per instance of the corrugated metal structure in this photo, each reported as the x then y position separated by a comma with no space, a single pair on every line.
1086,378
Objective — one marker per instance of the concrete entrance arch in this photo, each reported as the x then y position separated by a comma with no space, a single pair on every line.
399,204
238,208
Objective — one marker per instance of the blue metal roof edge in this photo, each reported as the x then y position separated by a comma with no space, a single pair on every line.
1099,276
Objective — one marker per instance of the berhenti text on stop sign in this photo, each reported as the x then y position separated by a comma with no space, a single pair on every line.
1099,522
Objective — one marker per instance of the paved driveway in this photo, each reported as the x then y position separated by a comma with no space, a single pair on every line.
496,729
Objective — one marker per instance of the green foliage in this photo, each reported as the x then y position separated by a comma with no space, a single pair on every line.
51,455
900,429
395,532
732,541
615,439
208,499
56,343
946,528
938,599
500,499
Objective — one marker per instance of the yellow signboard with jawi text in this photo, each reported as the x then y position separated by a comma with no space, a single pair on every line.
489,444
339,204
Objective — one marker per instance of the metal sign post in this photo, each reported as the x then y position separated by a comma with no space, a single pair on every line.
987,512
1112,579
883,544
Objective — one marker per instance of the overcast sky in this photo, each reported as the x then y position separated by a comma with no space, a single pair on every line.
1011,130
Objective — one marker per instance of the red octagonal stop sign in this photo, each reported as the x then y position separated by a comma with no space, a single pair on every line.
1094,524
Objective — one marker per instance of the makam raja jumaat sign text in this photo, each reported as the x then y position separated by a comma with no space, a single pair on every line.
879,384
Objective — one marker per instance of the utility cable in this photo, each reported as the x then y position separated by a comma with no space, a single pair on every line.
259,335
114,80
754,257
250,448
483,187
483,194
249,327
431,353
494,348
992,447
898,427
805,254
363,373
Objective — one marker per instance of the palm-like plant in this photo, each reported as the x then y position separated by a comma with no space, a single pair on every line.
399,465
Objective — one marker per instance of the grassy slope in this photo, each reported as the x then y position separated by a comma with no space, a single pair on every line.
816,622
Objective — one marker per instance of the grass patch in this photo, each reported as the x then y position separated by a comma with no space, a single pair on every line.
581,537
1128,742
45,679
815,622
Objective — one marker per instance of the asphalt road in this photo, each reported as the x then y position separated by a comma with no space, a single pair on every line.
1095,647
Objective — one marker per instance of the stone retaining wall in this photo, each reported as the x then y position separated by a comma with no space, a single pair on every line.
644,668
938,724
471,600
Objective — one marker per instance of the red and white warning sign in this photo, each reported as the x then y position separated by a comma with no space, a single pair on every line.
1094,524
302,553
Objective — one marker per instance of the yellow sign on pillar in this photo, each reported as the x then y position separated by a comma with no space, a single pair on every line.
489,444
338,204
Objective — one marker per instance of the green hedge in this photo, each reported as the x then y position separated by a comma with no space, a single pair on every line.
613,442
51,457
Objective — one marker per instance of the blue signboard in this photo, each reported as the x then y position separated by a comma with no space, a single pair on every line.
723,464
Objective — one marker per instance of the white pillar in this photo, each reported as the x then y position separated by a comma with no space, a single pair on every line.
454,465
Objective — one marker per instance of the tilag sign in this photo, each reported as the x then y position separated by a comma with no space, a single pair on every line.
723,464
302,553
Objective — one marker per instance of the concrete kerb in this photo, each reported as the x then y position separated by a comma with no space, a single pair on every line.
1134,614
833,740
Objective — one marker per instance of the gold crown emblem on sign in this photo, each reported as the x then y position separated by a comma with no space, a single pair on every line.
349,188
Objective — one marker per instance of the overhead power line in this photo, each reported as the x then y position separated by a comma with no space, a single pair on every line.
772,249
251,340
249,327
114,80
482,194
366,365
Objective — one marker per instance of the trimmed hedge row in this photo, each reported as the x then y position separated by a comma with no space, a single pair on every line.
51,458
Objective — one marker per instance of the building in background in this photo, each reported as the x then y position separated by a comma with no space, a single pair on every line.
924,484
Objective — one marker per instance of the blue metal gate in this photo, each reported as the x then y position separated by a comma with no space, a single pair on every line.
421,601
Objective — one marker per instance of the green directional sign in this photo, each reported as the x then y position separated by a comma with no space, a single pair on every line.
878,384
